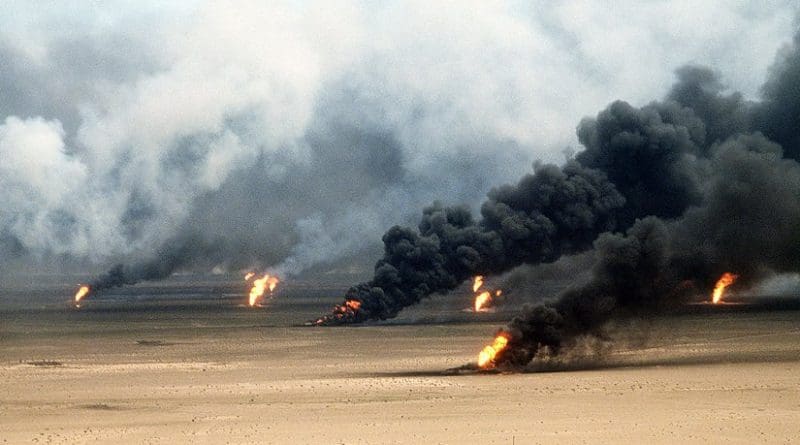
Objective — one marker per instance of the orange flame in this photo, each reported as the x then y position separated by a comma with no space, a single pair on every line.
482,300
352,304
82,292
487,355
719,289
249,275
348,309
477,283
260,286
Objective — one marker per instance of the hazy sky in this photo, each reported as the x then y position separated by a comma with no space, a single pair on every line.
302,130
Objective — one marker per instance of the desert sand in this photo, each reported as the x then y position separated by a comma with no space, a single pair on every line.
238,376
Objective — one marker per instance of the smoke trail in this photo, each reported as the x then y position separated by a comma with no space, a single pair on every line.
176,253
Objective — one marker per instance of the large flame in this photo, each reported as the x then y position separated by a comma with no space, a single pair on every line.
484,299
487,355
719,289
82,292
260,286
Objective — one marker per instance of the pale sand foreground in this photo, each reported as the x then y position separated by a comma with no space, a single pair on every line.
732,378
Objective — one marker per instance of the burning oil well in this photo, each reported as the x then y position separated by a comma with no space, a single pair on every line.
170,256
673,196
258,284
484,299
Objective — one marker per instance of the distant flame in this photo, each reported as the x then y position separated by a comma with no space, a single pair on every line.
484,299
477,283
260,286
487,356
249,275
719,289
82,292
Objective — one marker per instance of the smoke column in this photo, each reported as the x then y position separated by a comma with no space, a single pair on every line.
750,223
691,159
636,163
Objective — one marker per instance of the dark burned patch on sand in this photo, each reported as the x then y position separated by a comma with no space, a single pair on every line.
154,343
463,370
102,407
45,363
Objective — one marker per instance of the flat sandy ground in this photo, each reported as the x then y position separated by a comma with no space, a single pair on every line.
221,378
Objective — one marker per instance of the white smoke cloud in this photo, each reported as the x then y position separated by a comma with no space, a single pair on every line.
38,179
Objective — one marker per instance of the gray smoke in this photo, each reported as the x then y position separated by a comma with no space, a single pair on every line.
545,281
782,285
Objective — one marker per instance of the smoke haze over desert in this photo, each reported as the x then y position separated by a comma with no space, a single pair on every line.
400,222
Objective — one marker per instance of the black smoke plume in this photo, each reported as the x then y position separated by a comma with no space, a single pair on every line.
749,223
688,160
524,223
637,162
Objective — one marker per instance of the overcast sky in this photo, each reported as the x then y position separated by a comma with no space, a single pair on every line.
295,133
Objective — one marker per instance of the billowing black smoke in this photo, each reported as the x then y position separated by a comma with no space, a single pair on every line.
626,278
637,162
528,222
689,160
749,223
